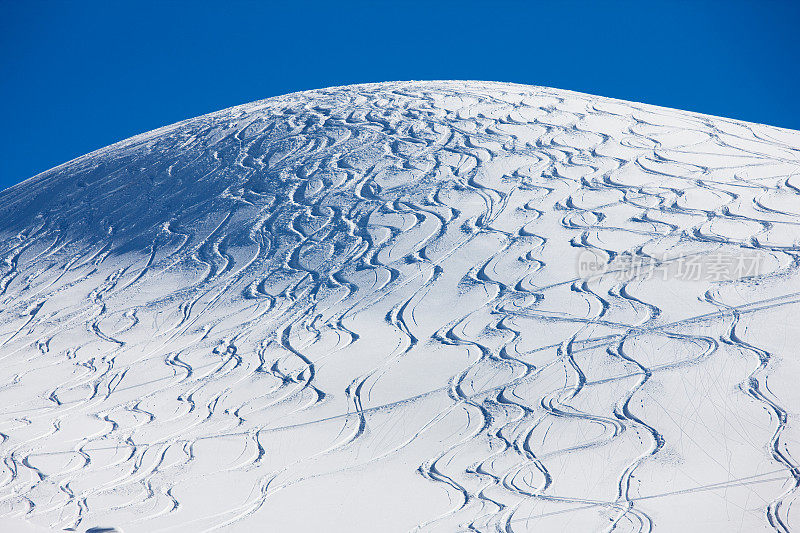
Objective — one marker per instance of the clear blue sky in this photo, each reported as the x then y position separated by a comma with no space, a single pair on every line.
76,76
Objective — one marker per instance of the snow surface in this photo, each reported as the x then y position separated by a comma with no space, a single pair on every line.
363,309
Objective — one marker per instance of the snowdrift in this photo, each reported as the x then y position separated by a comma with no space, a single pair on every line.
432,306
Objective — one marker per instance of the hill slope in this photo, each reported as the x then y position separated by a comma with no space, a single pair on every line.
433,305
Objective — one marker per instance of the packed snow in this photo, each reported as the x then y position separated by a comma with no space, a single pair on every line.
425,306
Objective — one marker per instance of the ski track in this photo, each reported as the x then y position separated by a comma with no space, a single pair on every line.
360,307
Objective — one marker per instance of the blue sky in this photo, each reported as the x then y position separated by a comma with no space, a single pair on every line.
77,76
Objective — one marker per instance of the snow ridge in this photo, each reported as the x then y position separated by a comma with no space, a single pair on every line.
366,307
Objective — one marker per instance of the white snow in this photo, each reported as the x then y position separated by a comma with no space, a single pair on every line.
432,306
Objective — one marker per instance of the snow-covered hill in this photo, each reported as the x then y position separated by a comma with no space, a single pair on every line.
436,306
